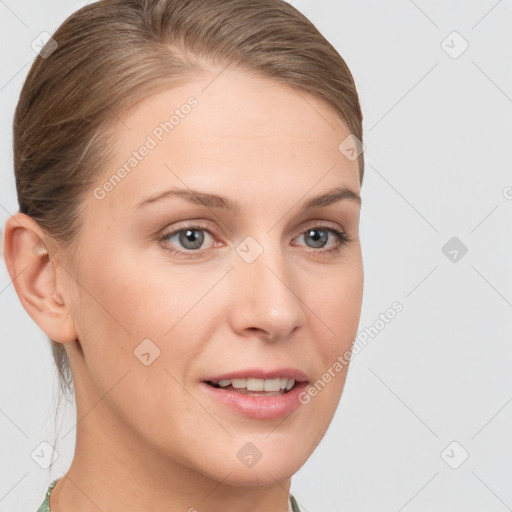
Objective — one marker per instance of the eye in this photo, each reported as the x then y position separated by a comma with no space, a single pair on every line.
317,237
191,238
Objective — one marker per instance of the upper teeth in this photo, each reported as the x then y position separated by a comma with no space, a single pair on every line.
260,384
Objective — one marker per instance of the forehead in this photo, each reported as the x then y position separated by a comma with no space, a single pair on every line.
230,131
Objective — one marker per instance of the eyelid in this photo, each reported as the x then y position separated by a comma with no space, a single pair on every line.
316,223
187,224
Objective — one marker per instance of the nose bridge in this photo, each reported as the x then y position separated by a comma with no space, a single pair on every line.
266,294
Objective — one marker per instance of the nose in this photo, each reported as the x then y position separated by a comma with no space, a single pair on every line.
266,297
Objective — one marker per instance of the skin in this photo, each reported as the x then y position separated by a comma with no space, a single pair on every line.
148,436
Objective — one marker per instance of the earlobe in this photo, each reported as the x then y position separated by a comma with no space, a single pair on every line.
31,261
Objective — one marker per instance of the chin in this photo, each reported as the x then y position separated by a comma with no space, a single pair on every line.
260,475
251,467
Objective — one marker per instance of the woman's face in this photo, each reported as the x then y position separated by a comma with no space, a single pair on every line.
176,292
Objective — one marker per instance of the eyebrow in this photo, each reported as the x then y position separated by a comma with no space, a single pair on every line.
334,195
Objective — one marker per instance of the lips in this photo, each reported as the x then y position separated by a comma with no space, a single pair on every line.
257,393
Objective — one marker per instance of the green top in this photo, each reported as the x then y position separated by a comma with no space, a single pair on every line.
45,506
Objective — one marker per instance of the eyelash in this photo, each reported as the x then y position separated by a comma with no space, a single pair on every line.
342,239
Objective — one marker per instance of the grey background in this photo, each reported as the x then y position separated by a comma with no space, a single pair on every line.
437,136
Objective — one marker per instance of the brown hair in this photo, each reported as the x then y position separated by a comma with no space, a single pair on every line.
112,54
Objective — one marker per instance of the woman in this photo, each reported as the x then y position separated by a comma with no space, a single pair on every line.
188,175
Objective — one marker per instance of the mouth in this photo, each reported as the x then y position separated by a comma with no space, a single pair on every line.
257,393
256,387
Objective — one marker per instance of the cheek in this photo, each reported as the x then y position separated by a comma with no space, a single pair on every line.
135,327
334,327
120,303
134,312
337,303
136,298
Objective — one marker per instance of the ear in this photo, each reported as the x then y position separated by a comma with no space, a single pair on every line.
30,258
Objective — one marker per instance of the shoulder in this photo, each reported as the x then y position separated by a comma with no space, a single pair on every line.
45,505
293,505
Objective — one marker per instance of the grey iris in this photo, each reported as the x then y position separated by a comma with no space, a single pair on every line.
194,236
320,240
